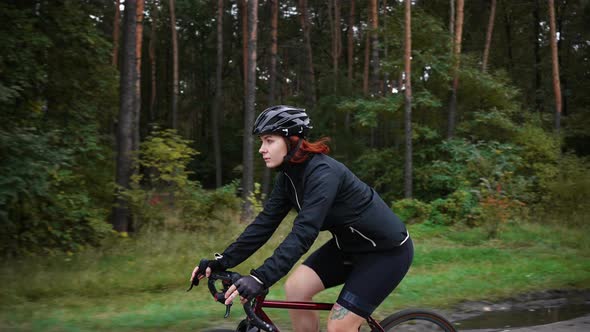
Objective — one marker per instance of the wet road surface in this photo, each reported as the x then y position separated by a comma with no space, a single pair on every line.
580,324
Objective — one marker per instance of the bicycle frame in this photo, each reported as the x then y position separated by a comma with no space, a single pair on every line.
261,303
256,313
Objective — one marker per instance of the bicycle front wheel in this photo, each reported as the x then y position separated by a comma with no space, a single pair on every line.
416,320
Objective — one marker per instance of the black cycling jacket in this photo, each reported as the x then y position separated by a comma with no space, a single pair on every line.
327,196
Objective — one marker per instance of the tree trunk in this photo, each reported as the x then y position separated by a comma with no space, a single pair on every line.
555,65
338,34
336,39
351,43
508,29
116,28
153,64
366,67
309,86
490,31
248,169
174,65
244,6
563,37
374,24
332,39
121,211
385,83
274,22
138,46
452,20
274,48
539,97
217,107
456,59
408,100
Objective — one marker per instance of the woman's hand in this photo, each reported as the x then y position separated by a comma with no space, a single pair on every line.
232,293
208,266
247,287
196,270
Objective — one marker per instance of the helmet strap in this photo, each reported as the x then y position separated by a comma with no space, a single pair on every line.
292,151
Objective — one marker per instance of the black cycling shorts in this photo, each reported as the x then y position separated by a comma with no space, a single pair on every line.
368,278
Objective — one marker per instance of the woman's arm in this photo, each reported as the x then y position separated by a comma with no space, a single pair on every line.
261,229
320,190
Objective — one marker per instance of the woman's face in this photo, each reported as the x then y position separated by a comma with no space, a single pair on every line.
273,150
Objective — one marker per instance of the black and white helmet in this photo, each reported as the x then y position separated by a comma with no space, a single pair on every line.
282,120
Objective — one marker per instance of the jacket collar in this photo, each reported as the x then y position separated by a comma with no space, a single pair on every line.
295,171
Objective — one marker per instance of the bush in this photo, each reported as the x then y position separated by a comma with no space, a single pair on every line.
412,210
496,208
382,169
162,160
462,164
492,125
199,209
540,152
567,195
164,196
488,207
458,207
46,203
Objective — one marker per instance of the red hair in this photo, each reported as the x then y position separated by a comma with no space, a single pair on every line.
307,148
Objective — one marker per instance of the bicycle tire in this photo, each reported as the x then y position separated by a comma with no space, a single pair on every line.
416,320
243,326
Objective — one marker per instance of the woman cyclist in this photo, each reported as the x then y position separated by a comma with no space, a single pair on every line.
370,250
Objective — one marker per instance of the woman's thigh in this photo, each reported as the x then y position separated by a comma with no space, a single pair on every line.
330,264
303,284
324,268
374,277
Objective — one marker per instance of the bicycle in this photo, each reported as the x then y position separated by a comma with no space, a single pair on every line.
257,319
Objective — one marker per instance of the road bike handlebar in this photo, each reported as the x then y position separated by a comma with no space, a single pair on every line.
227,279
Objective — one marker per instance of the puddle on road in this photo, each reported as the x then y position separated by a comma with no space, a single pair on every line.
520,318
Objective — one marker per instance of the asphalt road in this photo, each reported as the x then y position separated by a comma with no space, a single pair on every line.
580,324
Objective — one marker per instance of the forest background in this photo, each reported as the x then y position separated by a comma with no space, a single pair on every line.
126,127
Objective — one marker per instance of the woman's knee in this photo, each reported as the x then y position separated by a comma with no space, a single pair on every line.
343,325
341,319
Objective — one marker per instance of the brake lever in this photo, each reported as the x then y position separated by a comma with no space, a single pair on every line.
227,280
194,282
220,296
227,310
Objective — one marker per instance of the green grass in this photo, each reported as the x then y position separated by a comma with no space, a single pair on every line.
138,284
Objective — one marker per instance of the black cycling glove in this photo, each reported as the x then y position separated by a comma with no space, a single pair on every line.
249,287
214,264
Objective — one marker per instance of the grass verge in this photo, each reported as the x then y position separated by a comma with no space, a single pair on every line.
138,284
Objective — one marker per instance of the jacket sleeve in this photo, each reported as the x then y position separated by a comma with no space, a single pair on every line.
261,229
320,189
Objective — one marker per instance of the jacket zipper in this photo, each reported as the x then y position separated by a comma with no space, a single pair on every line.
336,238
295,190
363,235
406,239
